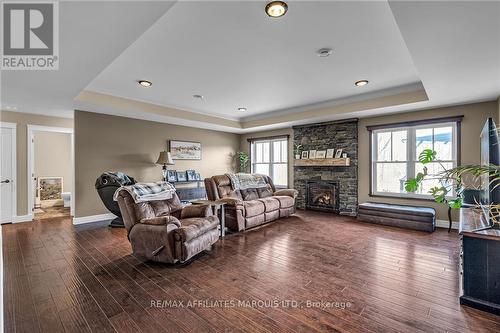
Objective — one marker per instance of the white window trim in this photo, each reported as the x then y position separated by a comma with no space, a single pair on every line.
271,153
411,157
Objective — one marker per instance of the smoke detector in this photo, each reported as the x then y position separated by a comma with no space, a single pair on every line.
324,52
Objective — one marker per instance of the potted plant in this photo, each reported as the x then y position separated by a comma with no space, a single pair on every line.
452,179
243,160
448,182
297,149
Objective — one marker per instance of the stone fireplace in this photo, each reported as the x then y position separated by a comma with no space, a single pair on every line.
322,195
340,183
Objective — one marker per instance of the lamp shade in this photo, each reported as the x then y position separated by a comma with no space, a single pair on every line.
165,158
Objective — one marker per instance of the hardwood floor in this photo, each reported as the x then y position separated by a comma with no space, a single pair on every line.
79,279
52,212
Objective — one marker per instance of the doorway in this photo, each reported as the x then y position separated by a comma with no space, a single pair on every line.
51,172
8,191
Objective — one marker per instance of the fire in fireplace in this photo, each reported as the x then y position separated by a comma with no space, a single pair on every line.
322,195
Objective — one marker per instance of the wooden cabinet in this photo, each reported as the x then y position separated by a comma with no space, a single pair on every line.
479,262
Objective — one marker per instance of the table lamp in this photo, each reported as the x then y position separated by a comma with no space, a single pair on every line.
165,159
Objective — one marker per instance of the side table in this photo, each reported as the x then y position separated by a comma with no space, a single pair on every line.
218,209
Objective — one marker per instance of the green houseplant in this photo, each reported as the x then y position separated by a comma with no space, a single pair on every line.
448,182
243,159
452,179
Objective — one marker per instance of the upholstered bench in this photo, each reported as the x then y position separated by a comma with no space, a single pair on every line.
409,217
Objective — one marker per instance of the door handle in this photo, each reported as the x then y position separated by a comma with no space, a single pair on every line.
5,181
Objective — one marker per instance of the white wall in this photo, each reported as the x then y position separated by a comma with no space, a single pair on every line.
53,157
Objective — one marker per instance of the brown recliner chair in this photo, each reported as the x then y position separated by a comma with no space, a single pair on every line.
163,231
252,207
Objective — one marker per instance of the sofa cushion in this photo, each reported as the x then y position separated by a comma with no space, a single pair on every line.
162,220
223,184
285,201
254,221
285,212
271,216
151,209
265,192
231,202
253,208
288,192
196,211
270,204
249,194
195,226
401,209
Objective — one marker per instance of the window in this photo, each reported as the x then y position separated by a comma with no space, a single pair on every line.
395,152
270,157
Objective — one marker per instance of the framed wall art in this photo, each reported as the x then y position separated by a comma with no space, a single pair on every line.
181,176
185,150
321,154
171,176
50,188
191,175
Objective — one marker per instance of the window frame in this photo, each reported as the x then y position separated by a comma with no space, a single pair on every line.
252,147
411,158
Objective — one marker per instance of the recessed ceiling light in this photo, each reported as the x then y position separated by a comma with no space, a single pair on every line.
361,83
242,109
8,107
324,52
145,83
276,8
198,96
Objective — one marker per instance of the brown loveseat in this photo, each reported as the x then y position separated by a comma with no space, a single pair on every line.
164,231
251,207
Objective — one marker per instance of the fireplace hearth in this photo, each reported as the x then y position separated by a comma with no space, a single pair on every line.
322,195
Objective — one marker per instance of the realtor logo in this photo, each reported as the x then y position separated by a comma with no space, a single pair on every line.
30,36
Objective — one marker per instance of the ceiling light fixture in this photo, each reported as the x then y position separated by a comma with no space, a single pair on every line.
324,52
242,109
276,9
145,83
361,83
198,96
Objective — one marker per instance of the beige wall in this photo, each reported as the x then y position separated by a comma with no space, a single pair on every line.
245,146
53,157
22,120
110,143
498,104
474,117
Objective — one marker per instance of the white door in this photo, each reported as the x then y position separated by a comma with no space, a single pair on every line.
7,172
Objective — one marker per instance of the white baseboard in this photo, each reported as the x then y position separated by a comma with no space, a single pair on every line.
22,218
93,218
446,224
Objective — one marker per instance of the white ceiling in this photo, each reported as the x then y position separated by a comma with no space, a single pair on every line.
234,55
455,47
91,35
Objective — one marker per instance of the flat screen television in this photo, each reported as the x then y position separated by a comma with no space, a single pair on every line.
490,155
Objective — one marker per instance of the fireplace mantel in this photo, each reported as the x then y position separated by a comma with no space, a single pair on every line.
330,162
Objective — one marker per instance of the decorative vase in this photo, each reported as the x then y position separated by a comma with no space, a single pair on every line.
297,156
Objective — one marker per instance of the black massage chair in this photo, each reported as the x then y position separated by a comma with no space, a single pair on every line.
106,185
